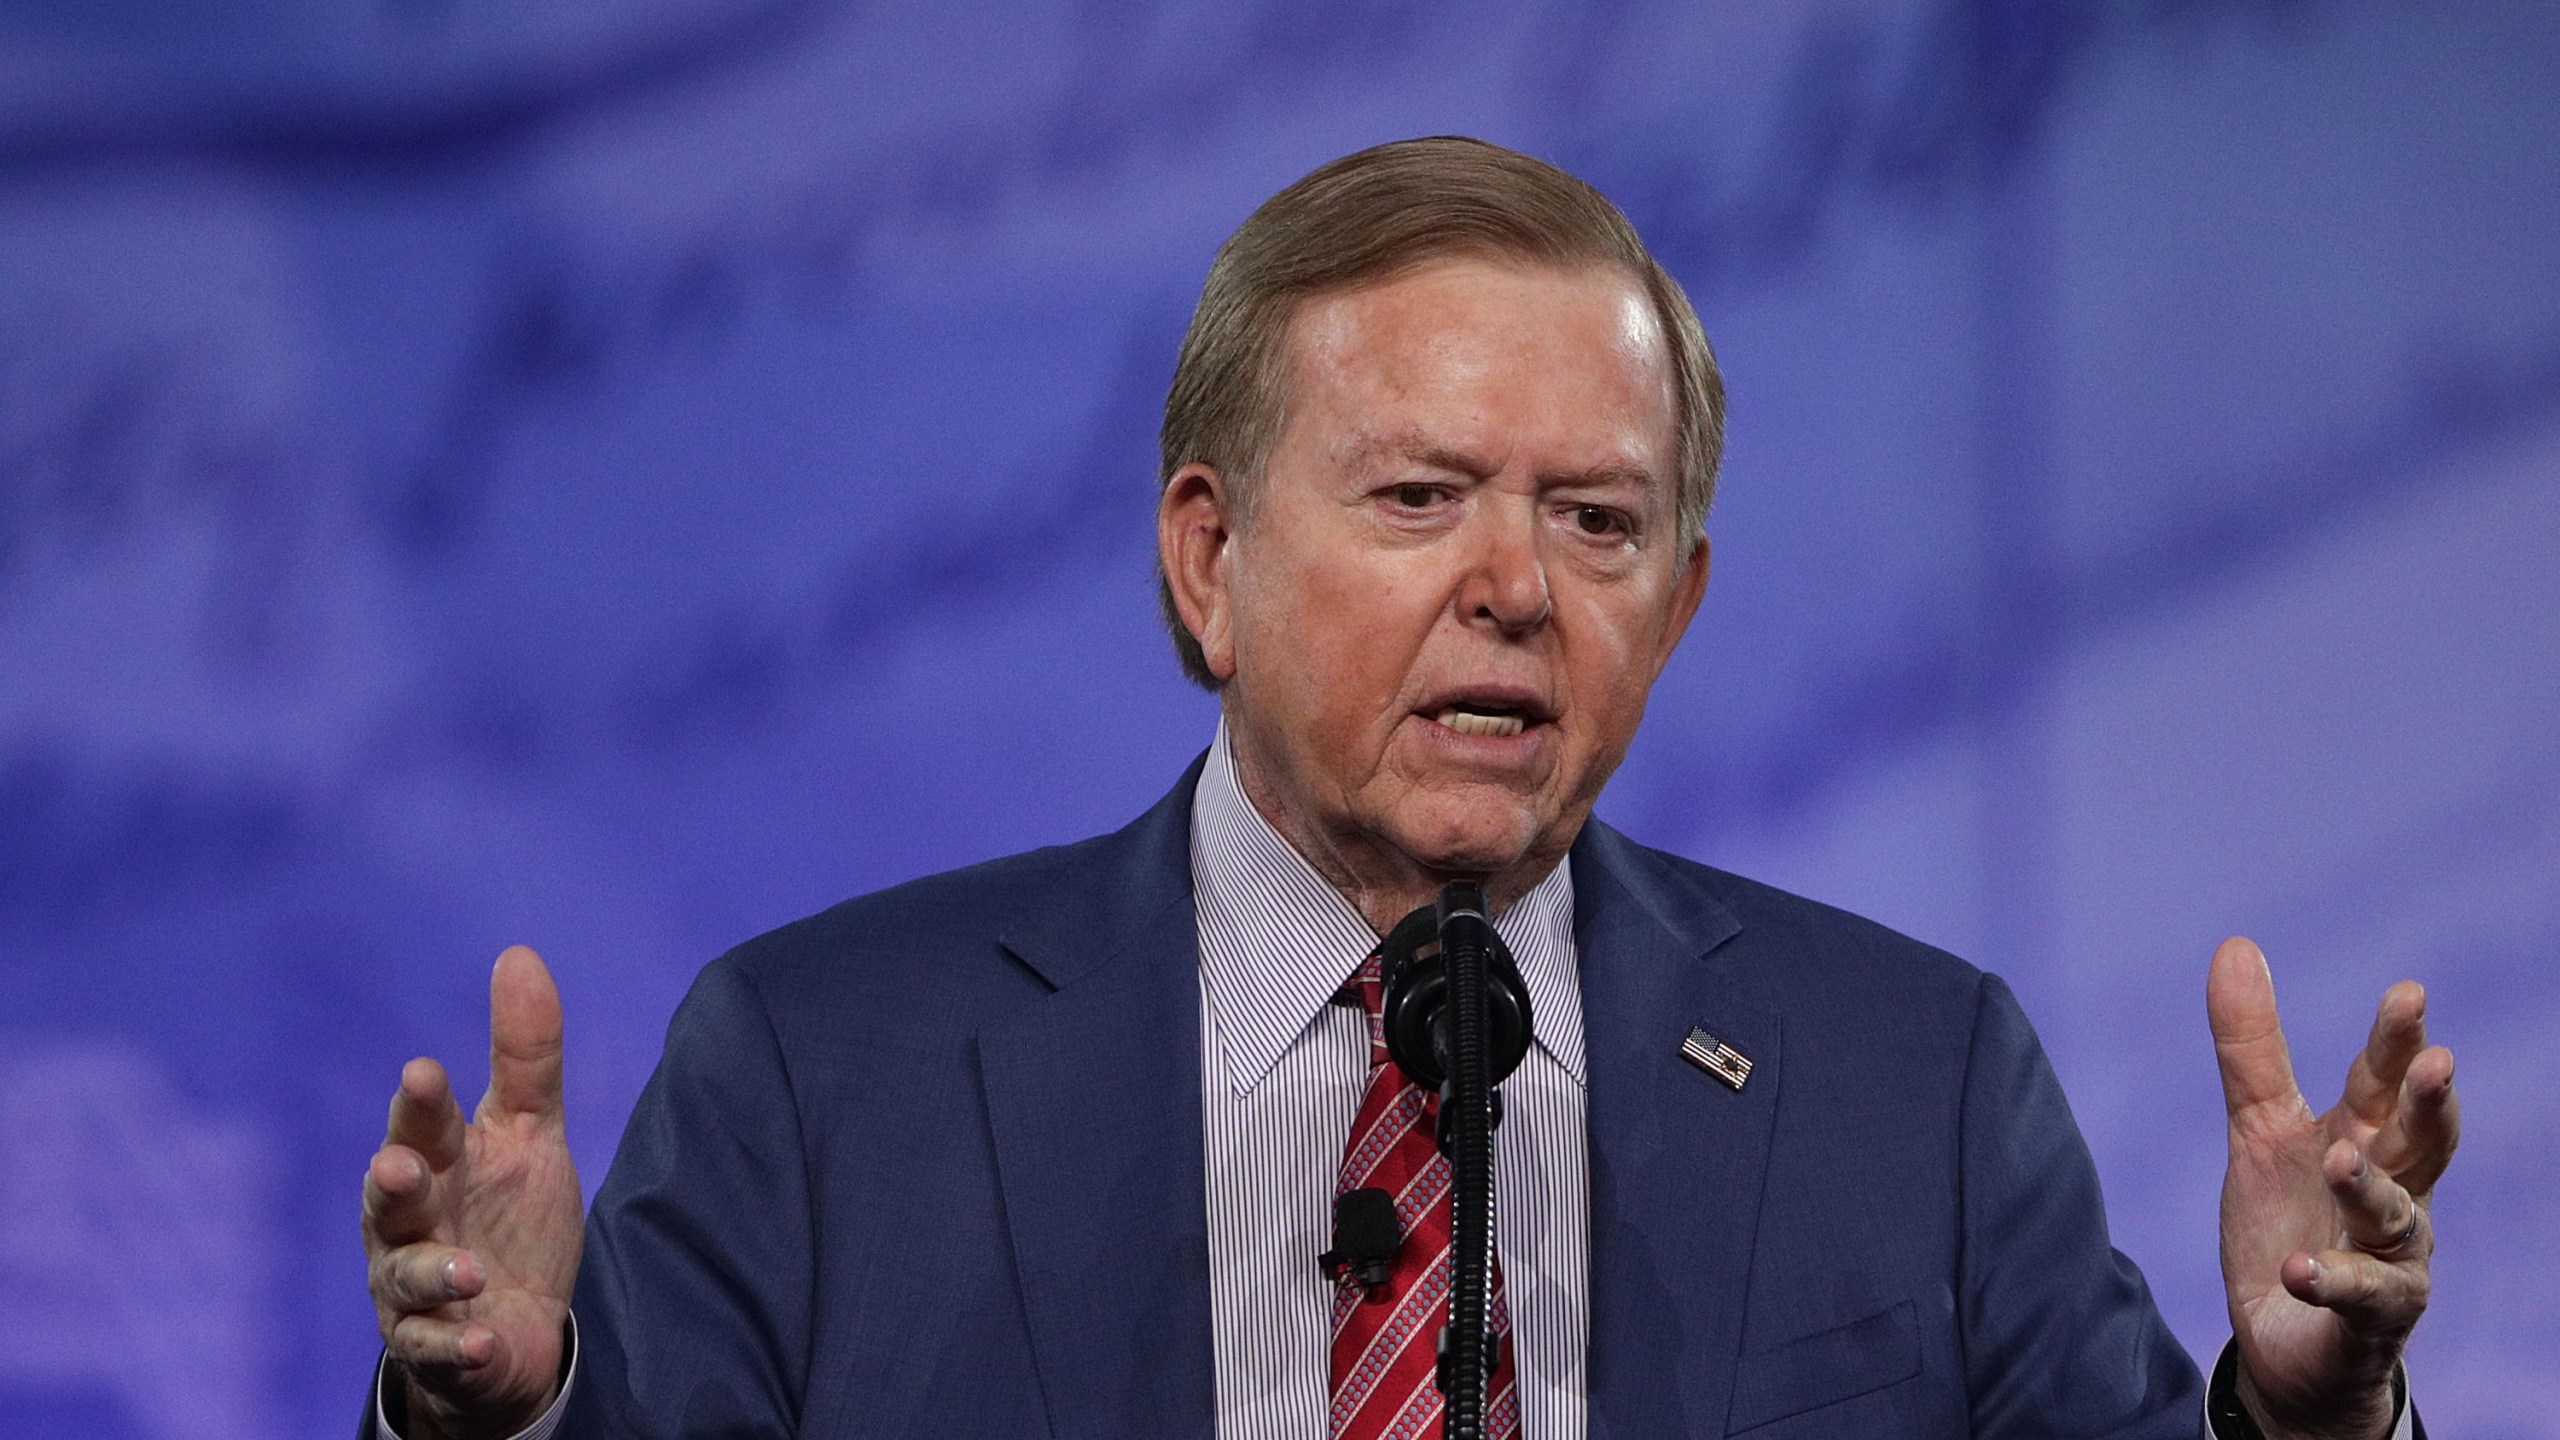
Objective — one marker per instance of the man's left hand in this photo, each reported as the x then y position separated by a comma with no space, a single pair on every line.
2325,1231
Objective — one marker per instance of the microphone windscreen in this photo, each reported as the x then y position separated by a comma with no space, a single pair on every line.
1365,1225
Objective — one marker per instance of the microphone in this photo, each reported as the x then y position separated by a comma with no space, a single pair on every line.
1366,1237
1457,1016
1413,963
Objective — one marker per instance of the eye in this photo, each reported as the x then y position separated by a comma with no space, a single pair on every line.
1599,520
1417,496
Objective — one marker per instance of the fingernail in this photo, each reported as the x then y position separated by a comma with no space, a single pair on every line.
2361,1165
2319,1272
452,1274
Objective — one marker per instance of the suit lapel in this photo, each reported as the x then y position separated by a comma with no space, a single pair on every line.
1093,1098
1676,1155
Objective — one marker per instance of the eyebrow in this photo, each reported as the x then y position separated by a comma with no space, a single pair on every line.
1415,446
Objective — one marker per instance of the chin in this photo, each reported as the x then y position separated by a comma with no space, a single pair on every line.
1468,839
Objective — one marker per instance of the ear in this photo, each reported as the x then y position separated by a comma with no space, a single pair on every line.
1687,589
1194,525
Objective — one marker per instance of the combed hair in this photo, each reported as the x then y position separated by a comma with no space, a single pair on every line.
1364,218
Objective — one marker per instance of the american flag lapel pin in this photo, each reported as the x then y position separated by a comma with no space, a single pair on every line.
1716,1057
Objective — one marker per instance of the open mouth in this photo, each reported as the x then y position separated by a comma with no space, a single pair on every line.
1493,722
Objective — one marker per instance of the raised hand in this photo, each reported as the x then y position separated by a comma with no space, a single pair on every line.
473,1229
2325,1232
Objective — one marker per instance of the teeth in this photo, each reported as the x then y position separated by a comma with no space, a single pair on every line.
1470,722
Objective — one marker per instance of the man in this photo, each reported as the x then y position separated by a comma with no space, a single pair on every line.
1049,1145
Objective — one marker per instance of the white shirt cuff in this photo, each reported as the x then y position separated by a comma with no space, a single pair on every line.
2403,1425
540,1429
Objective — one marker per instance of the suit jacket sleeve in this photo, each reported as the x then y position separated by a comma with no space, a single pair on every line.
694,1291
2061,1336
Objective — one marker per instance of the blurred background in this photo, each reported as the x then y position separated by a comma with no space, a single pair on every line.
620,478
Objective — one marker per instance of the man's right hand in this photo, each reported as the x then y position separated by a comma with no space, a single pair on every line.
473,1229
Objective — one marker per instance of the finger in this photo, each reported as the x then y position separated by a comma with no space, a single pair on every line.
524,1036
424,1116
2374,1297
2380,1217
2248,1039
2399,1033
424,1277
2428,1126
431,1345
399,1197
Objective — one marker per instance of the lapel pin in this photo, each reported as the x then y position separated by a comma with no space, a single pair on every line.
1716,1058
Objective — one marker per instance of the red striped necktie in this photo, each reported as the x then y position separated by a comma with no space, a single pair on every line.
1386,1344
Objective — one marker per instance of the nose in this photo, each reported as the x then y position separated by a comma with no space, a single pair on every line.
1506,587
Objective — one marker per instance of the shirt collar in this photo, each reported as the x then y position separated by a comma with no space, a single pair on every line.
1277,940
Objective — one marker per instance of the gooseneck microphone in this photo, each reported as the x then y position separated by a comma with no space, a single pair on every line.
1457,1016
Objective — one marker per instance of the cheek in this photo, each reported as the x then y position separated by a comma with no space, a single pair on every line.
1301,651
1356,626
1612,659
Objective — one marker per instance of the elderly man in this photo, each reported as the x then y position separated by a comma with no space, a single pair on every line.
1050,1145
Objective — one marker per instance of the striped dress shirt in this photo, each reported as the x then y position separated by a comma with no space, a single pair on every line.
1281,1073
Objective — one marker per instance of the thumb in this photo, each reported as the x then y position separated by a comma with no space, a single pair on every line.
2248,1038
524,1036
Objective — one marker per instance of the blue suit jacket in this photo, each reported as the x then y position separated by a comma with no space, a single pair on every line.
929,1164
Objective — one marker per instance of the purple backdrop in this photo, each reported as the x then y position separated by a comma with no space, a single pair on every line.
623,477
